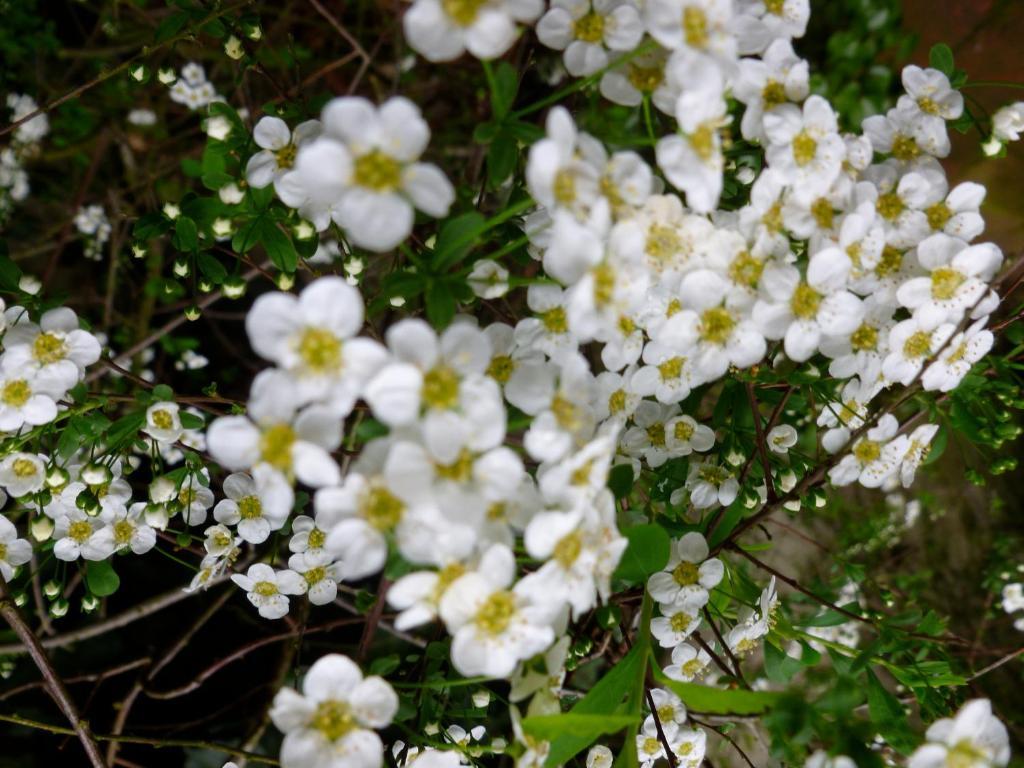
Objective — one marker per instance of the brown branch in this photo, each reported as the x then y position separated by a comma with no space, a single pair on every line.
669,754
995,665
721,732
92,677
54,684
119,739
373,619
738,674
761,446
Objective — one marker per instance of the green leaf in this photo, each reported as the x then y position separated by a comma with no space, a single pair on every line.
278,247
718,701
186,234
101,578
941,58
647,553
779,667
170,26
212,269
505,85
550,727
605,698
10,274
191,420
440,303
151,225
888,716
456,238
501,158
620,480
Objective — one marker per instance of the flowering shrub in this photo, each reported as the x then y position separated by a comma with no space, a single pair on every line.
518,393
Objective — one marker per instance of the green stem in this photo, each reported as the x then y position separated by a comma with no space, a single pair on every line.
992,84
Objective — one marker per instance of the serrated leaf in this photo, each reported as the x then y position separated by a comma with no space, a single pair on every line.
647,552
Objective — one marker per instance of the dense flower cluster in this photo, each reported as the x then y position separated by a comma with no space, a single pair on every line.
24,145
484,489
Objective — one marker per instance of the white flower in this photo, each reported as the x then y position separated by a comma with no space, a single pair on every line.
975,738
442,31
163,423
918,444
13,551
295,444
687,663
910,345
1013,597
563,169
330,724
313,337
72,533
760,22
766,83
27,399
489,280
689,574
418,595
907,133
587,29
963,351
256,504
1008,122
364,172
268,589
321,579
874,458
709,484
600,756
644,74
649,746
22,473
805,144
689,746
821,759
701,26
677,622
801,311
929,92
278,148
493,625
781,438
122,530
959,275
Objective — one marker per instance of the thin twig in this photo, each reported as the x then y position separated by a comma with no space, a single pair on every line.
54,684
725,646
669,754
761,446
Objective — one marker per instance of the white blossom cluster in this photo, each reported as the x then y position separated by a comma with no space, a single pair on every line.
40,362
190,88
92,222
14,186
1013,602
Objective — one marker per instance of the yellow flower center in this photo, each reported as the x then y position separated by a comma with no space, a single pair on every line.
683,431
617,401
772,218
890,262
568,549
315,575
662,242
928,106
564,187
889,206
773,94
823,213
710,473
686,574
445,577
805,301
320,350
589,28
566,414
703,141
945,282
716,325
49,348
333,718
554,320
673,307
695,27
918,345
3,551
904,148
804,148
692,668
250,507
965,754
24,468
746,270
123,531
382,509
774,7
265,588
864,339
377,171
285,156
867,451
501,368
316,538
604,284
276,446
672,368
459,471
16,393
938,215
644,79
651,746
656,434
441,388
497,612
162,419
680,621
80,531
